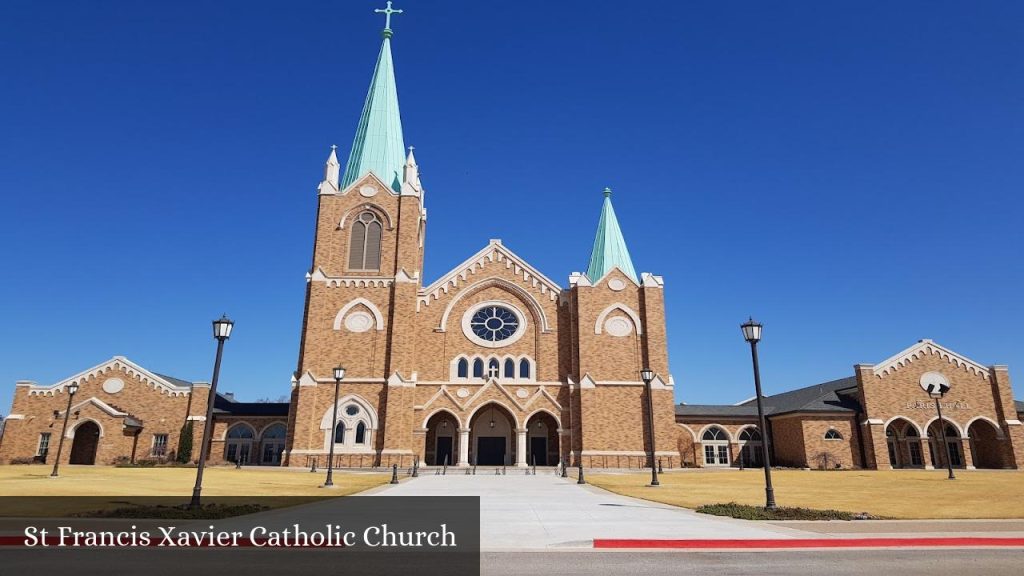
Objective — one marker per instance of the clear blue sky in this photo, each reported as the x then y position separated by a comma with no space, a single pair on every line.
850,174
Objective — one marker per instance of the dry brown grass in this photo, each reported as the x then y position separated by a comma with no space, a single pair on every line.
894,494
173,483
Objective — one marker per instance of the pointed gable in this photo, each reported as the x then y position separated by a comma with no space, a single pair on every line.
609,245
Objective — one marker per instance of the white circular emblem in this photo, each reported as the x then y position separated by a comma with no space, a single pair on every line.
934,383
618,326
113,385
358,321
522,393
493,324
462,393
616,284
367,191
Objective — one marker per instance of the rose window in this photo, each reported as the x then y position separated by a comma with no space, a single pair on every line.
494,323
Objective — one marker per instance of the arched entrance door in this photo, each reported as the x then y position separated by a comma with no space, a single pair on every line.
491,432
87,441
903,444
542,440
750,448
716,447
986,445
442,442
272,443
954,450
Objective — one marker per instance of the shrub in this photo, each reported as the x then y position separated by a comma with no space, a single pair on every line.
185,443
746,512
207,511
26,460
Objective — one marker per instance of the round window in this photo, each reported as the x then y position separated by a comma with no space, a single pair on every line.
494,323
351,410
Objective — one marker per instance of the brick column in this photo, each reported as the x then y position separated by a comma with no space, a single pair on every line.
926,454
968,454
876,447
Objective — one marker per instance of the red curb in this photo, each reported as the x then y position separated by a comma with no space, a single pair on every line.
814,543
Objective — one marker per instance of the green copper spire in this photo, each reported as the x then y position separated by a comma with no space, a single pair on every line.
609,246
379,145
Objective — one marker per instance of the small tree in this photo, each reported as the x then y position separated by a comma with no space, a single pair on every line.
185,443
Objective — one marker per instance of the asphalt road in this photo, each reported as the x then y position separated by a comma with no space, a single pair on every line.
833,563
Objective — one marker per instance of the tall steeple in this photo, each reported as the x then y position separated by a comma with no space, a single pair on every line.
379,145
609,246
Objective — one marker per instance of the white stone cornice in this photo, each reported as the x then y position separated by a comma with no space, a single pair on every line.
648,280
587,382
116,363
397,381
494,253
318,275
927,348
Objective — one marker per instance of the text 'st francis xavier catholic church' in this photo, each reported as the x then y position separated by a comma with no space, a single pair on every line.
494,363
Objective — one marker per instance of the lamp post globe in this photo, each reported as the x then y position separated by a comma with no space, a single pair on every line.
339,375
647,375
222,327
752,334
71,389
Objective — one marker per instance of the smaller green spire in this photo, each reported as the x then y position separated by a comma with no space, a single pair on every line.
609,246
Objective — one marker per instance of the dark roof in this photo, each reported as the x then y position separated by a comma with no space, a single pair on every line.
716,410
224,405
832,396
175,381
1020,405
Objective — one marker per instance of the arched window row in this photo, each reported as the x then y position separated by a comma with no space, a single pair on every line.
243,444
353,429
503,368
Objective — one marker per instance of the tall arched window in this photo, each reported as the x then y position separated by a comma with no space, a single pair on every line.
492,368
360,433
524,368
510,368
478,368
339,433
463,368
364,247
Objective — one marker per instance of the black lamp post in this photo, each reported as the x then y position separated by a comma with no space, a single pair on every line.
339,374
752,334
937,391
71,389
221,332
647,375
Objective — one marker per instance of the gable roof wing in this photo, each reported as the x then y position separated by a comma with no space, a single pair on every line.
495,251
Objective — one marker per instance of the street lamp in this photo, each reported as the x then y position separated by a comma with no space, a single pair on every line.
752,334
936,386
72,389
221,332
647,375
339,373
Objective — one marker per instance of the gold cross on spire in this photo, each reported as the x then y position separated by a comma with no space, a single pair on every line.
387,12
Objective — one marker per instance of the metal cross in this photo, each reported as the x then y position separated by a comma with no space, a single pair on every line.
387,12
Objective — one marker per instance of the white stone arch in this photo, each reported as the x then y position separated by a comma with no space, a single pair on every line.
558,421
728,435
385,218
744,427
525,297
599,325
688,429
267,427
907,419
437,411
70,435
255,436
326,424
378,318
511,413
999,431
946,419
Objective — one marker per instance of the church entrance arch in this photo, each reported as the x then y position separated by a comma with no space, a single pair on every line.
542,440
87,441
442,440
491,431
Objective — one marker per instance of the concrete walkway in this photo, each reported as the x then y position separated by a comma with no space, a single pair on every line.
530,512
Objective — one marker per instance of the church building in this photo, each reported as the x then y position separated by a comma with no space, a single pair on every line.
496,364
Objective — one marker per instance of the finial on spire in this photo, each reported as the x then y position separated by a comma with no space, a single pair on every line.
607,192
387,12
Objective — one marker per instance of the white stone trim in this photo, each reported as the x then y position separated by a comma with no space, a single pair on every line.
927,347
999,429
587,382
361,181
458,423
255,437
688,429
396,381
325,422
318,275
920,431
377,316
511,413
372,207
870,421
728,435
116,363
558,421
196,418
526,297
924,431
107,408
648,280
71,430
598,281
15,417
637,326
495,251
1013,422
